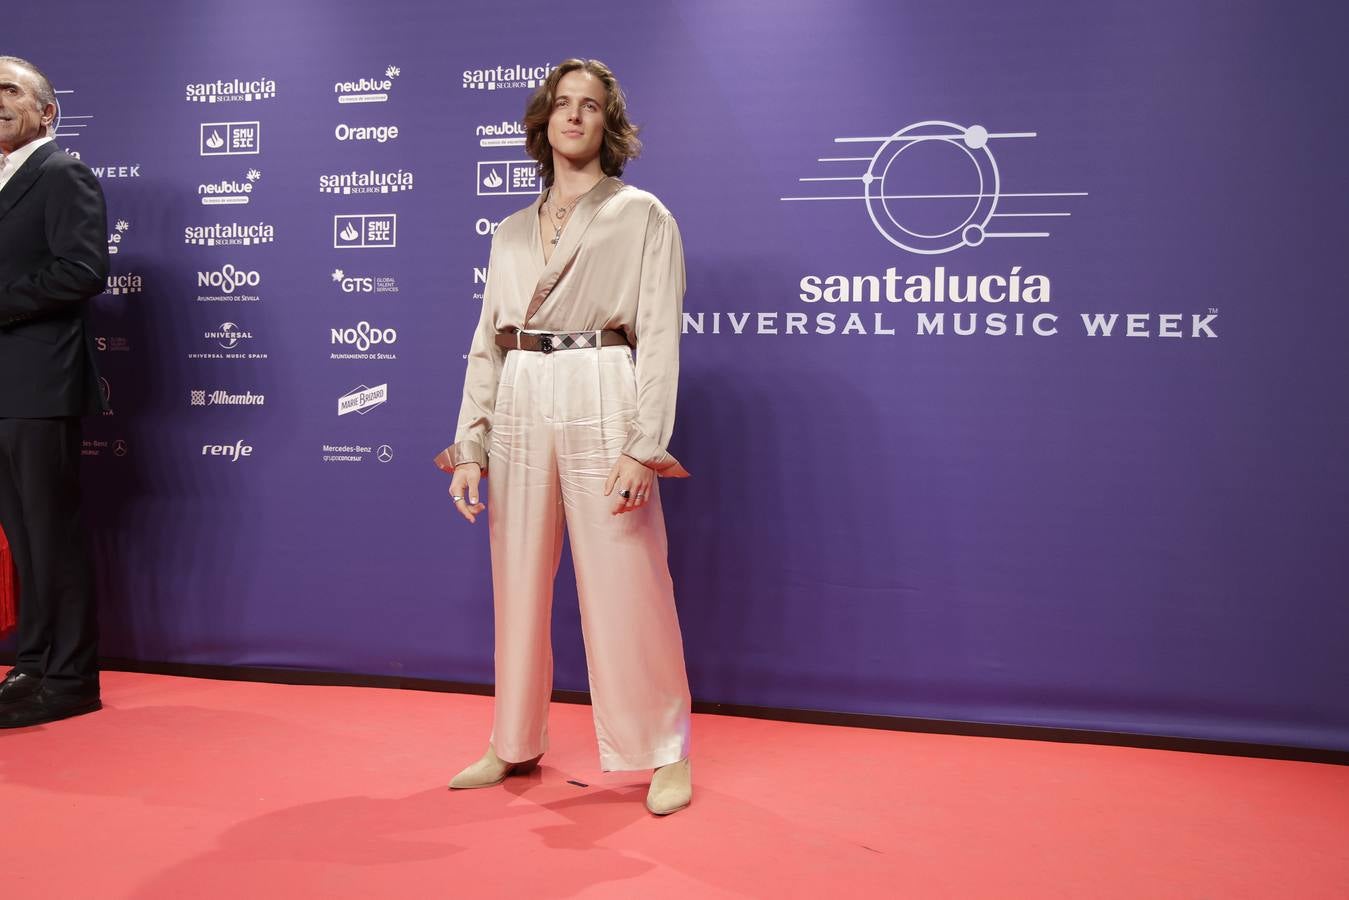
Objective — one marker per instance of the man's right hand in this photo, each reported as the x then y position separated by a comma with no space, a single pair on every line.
464,490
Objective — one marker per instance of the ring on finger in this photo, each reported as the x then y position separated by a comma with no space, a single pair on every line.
456,499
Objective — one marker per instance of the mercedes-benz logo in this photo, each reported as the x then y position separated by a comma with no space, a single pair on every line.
384,453
119,447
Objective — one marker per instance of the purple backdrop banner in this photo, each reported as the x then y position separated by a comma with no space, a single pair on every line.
1013,383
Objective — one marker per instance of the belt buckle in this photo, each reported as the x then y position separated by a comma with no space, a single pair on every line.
546,343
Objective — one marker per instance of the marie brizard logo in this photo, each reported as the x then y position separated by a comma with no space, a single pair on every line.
934,186
362,398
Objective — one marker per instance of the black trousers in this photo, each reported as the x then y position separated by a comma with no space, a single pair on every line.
40,513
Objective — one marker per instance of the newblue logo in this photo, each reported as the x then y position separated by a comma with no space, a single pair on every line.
505,134
231,138
229,192
367,90
115,239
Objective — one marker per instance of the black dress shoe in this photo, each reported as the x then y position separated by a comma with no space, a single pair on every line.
47,706
18,685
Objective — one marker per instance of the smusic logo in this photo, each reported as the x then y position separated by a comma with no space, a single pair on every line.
368,182
365,232
235,90
362,398
231,138
367,90
505,177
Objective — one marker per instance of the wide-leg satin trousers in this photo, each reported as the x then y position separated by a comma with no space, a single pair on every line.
560,421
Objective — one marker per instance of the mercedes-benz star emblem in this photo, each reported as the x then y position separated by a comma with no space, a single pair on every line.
384,453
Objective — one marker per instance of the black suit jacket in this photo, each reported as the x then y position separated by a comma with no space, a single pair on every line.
53,258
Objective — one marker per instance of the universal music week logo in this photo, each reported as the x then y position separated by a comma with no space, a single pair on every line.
935,189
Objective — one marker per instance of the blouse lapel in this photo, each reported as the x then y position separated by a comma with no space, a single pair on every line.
565,252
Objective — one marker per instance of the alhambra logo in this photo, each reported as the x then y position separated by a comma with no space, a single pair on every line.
235,90
367,89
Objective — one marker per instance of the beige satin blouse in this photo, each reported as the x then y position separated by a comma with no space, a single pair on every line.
619,265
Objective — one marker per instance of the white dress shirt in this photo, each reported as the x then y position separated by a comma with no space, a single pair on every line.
14,161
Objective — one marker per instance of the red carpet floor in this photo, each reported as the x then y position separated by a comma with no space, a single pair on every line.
186,788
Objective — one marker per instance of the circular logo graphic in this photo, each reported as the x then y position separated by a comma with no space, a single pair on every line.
932,187
119,447
384,453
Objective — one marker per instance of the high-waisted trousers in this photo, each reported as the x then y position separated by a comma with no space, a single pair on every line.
560,421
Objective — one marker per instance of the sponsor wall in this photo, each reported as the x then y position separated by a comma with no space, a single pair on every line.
1013,386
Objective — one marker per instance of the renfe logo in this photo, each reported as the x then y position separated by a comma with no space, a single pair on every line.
233,452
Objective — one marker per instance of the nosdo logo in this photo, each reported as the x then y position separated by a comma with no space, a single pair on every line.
505,134
364,284
233,91
363,336
126,283
228,279
367,90
115,239
504,77
368,182
229,335
935,186
380,134
232,234
233,452
229,192
231,138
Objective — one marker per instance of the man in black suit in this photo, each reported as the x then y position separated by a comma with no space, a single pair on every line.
53,258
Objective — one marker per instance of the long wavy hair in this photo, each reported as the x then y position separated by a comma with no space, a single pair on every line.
620,135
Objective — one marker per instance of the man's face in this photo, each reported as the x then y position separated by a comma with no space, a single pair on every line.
23,119
576,126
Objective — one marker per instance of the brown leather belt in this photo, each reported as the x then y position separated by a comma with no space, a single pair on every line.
512,339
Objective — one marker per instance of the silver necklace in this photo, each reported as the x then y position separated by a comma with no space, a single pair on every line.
560,213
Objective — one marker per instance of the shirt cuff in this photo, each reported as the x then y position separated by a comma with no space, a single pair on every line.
460,453
653,456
